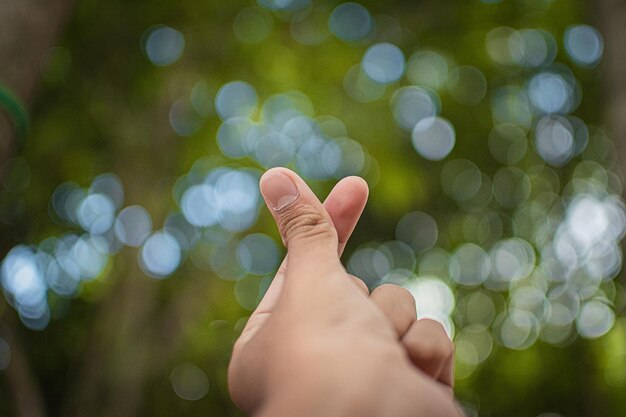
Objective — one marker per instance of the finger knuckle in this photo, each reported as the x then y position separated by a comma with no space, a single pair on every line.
445,348
429,351
306,222
442,335
384,288
406,296
359,283
399,294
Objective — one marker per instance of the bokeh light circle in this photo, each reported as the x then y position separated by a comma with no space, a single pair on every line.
551,92
198,205
22,277
253,25
428,69
237,98
189,382
164,45
435,300
411,104
418,230
351,22
595,319
258,254
511,259
110,185
555,140
160,255
461,179
508,143
96,213
133,225
583,44
511,187
469,265
383,63
467,85
434,138
184,119
519,330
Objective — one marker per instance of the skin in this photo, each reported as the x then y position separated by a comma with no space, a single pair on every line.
319,344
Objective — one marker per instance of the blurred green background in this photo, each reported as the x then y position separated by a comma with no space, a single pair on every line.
135,243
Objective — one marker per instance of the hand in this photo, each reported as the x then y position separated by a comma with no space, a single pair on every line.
318,345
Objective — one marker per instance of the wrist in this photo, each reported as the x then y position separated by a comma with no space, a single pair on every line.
303,404
316,392
369,390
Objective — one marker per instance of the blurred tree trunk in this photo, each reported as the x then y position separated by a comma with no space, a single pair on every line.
135,332
27,400
610,20
28,28
120,356
611,16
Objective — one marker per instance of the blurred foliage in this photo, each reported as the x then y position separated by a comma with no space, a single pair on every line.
134,89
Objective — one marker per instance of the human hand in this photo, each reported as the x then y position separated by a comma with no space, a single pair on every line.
319,344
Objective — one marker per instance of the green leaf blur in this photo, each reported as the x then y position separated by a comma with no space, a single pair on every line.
480,126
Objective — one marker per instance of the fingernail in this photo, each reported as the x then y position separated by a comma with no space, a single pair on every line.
279,190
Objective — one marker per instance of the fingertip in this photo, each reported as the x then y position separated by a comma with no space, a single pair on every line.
348,197
273,171
358,184
278,188
431,350
435,325
359,180
283,170
301,219
397,304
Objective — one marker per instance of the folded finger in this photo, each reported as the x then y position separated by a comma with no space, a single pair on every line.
431,350
397,304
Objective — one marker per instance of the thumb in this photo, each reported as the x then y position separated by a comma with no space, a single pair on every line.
305,227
